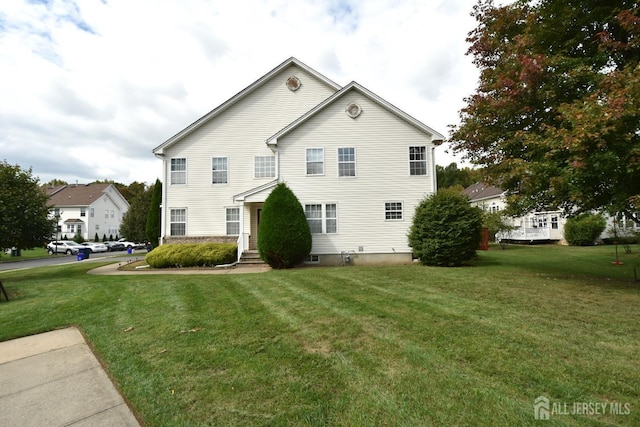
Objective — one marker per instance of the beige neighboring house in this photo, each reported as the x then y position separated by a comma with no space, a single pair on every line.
534,227
86,209
358,164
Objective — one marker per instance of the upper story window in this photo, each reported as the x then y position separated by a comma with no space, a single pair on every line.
393,210
83,211
315,161
265,167
347,161
219,167
91,212
418,160
179,171
178,222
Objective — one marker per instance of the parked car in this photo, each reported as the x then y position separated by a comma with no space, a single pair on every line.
114,246
127,244
95,246
64,247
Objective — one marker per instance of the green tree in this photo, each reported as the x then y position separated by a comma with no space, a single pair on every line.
445,230
451,176
285,237
135,220
556,116
24,209
152,228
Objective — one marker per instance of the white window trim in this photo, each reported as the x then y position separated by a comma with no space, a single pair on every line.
186,221
227,170
186,168
307,162
401,211
355,163
426,160
274,167
323,218
227,222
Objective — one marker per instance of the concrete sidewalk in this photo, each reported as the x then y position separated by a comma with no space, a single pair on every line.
53,379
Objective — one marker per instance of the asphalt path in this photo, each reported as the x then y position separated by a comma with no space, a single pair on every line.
22,264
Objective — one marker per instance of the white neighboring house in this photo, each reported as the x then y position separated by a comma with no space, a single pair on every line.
358,165
534,227
86,209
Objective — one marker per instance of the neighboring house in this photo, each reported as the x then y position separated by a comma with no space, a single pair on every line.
86,209
534,227
358,165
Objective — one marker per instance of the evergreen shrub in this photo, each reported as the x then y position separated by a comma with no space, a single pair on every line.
445,230
192,255
584,229
284,237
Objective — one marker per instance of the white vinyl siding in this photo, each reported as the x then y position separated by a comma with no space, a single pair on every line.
418,160
178,222
347,161
265,167
233,221
219,170
179,171
315,161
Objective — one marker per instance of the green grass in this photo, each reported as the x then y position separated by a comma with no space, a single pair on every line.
24,254
347,346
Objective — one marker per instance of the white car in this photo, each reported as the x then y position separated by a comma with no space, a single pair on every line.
127,244
95,246
64,247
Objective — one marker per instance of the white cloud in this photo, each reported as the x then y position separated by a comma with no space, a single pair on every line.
90,87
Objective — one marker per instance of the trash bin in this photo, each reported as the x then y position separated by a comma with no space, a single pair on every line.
14,252
129,250
83,253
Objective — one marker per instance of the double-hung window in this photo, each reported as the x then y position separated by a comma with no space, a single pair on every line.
178,222
179,171
233,221
265,167
83,211
418,160
347,161
322,218
315,161
219,168
393,211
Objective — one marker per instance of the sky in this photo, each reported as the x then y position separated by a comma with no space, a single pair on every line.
89,87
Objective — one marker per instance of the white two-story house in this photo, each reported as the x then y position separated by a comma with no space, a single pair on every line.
87,209
358,165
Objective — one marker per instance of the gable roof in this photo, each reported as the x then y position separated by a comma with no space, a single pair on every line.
158,151
273,140
78,194
482,191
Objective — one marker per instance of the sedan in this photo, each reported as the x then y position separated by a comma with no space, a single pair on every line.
64,247
114,246
95,246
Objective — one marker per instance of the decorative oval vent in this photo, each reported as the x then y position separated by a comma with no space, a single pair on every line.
293,83
353,110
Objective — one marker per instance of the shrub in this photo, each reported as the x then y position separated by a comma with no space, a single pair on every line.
445,229
584,229
285,238
192,255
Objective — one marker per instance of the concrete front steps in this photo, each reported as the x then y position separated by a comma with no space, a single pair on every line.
250,257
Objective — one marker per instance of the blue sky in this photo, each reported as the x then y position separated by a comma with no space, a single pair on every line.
90,87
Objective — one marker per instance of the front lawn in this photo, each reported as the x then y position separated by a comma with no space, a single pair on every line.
351,346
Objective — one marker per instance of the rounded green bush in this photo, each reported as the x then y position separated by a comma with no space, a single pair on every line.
192,255
445,230
584,229
284,237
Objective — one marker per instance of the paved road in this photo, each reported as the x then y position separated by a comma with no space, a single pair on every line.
65,259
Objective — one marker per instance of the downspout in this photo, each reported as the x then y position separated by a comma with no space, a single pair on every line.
433,169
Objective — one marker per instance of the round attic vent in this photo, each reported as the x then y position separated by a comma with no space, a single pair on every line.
293,83
353,110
